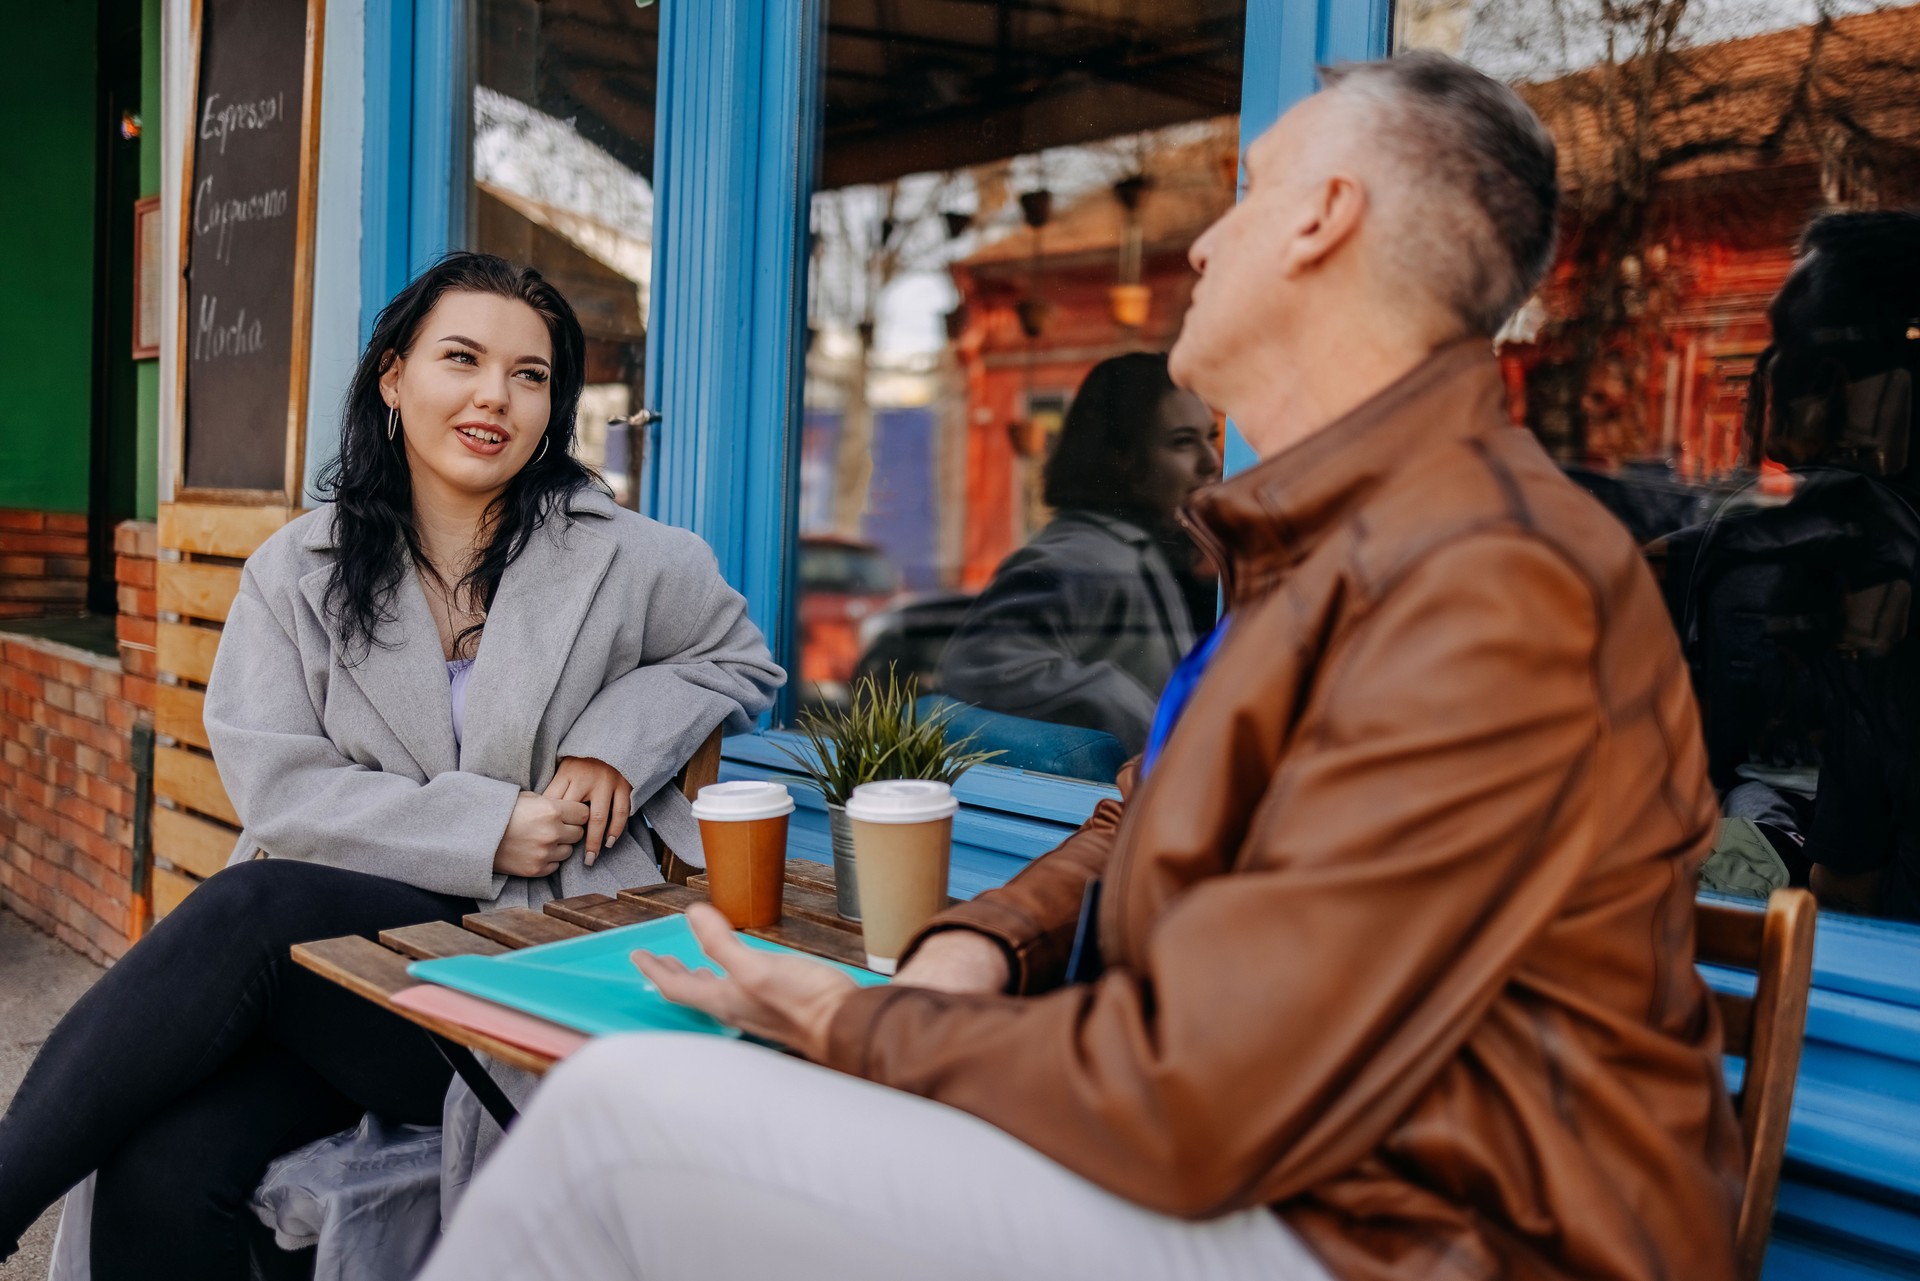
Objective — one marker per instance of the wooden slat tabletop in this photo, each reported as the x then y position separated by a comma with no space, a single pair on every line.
377,971
520,927
437,939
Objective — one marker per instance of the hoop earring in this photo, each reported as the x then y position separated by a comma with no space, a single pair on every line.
544,442
393,419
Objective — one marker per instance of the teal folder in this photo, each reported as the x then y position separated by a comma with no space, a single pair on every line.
590,983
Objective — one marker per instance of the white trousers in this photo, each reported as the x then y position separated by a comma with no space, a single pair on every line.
682,1158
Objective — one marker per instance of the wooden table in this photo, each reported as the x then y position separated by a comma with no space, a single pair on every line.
378,970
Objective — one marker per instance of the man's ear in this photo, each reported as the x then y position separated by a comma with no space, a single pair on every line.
390,379
1330,218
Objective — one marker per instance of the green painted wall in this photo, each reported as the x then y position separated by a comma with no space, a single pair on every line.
146,497
46,257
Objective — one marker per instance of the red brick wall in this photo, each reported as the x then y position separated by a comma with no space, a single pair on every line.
43,564
67,775
135,545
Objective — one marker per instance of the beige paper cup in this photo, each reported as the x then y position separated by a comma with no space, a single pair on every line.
902,845
743,828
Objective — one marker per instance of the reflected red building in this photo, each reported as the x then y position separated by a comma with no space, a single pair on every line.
1018,384
1640,344
1740,145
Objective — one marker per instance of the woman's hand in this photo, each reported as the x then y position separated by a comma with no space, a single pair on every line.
540,835
781,998
605,793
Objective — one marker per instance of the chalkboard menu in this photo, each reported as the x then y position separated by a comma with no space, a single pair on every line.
243,332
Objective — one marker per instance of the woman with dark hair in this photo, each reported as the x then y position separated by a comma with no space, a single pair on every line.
1084,624
448,687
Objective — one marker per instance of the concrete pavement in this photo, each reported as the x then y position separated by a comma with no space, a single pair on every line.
39,979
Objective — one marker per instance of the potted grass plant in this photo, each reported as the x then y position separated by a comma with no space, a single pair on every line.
881,734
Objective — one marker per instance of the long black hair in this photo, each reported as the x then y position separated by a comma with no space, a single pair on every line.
370,483
1103,462
1103,458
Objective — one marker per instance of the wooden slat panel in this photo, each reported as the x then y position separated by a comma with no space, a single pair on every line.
1730,936
177,713
666,898
810,904
519,927
808,895
805,872
817,940
191,780
437,938
196,591
168,889
610,913
364,967
360,965
219,530
187,652
1736,1017
596,911
191,843
839,942
652,910
804,900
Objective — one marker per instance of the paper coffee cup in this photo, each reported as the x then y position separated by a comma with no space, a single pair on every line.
743,828
902,845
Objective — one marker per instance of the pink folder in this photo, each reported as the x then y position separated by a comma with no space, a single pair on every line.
497,1021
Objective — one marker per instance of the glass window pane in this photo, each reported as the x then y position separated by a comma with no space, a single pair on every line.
1698,140
562,165
1006,195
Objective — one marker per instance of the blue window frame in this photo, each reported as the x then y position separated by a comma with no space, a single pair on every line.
414,158
737,113
737,122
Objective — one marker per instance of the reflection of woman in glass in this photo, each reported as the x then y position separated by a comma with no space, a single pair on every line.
1084,624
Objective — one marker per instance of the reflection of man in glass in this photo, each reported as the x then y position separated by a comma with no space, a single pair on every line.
1798,615
1084,624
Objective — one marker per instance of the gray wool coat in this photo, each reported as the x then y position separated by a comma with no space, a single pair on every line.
612,637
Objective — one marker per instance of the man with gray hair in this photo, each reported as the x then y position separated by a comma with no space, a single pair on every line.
1381,966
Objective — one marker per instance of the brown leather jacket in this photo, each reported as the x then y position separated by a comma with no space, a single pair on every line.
1400,928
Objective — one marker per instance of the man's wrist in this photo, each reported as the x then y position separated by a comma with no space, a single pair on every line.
819,1027
967,959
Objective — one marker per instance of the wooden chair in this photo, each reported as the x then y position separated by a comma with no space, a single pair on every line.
701,769
1766,1030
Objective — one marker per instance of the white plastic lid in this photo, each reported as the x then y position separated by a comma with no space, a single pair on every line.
742,801
905,800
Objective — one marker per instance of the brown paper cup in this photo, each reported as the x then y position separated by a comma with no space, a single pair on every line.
902,846
743,828
902,869
746,868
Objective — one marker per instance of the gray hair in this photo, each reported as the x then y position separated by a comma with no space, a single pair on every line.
1481,166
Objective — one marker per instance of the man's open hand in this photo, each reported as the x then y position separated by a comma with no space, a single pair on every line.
779,998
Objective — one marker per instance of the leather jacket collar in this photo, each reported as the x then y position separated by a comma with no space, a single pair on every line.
1258,524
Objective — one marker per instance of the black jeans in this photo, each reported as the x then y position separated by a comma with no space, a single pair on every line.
205,1053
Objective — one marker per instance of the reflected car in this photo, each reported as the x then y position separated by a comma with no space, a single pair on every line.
910,635
843,582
